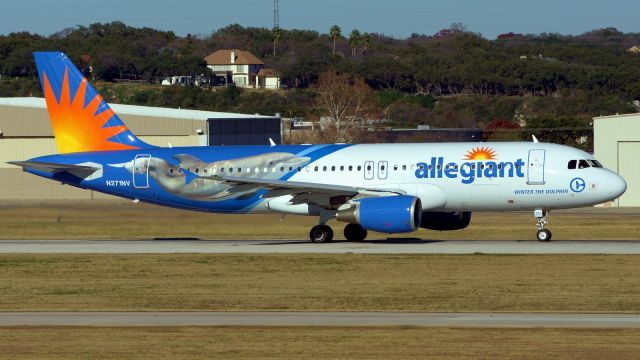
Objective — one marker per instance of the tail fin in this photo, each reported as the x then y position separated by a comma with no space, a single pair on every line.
81,119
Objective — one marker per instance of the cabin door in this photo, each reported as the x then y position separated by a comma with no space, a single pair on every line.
141,171
535,167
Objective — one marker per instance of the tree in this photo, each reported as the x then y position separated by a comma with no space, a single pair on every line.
346,101
354,41
335,33
366,41
277,33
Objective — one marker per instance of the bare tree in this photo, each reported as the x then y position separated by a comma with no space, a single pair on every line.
346,101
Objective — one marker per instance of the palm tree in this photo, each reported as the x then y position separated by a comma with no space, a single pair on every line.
276,33
335,33
354,40
366,41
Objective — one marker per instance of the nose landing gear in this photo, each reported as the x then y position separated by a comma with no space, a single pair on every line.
543,234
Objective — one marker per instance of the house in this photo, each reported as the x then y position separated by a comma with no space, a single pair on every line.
268,79
242,68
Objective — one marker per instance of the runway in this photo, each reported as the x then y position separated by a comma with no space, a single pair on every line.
318,319
392,246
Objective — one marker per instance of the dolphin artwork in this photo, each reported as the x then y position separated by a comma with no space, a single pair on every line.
191,177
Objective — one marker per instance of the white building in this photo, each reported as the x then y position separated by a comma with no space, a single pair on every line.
242,68
616,144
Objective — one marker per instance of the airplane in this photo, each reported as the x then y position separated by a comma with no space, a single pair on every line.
387,188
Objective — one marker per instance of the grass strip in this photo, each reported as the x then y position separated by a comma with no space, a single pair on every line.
322,282
316,343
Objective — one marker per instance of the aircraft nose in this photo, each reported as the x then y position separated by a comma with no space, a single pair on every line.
616,185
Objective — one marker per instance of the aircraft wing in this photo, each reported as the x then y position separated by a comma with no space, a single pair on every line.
303,192
81,171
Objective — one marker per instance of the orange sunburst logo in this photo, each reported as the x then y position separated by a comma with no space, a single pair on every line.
480,153
78,128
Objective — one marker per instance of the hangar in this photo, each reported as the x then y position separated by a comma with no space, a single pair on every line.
616,144
25,132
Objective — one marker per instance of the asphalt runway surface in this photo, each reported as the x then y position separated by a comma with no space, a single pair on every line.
318,319
391,246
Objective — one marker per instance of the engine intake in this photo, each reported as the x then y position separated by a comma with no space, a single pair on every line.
387,214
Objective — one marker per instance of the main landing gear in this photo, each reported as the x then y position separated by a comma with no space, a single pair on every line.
355,232
543,234
323,233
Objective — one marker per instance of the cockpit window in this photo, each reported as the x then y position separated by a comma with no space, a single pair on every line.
583,164
595,163
572,164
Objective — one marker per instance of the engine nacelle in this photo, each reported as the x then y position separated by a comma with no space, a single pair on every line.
443,221
387,214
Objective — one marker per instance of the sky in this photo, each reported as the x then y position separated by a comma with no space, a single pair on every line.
397,18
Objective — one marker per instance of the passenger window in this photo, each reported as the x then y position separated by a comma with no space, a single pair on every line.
290,168
239,170
572,164
333,168
341,168
221,169
583,164
404,167
230,170
205,170
350,168
281,168
315,168
171,171
360,168
395,167
324,168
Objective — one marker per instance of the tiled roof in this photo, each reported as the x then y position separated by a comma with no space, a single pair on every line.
269,73
223,57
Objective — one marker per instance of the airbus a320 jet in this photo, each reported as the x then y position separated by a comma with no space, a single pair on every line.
387,188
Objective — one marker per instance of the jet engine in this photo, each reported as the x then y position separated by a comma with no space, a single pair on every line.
387,214
443,221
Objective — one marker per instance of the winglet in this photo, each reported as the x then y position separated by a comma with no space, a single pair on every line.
271,142
535,139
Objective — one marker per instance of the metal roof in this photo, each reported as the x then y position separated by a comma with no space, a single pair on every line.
159,112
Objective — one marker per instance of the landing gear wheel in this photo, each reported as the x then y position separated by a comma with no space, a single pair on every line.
354,232
544,235
321,234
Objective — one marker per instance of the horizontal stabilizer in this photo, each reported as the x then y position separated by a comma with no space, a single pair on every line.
82,171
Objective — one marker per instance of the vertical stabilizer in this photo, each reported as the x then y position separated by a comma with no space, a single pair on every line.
81,120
